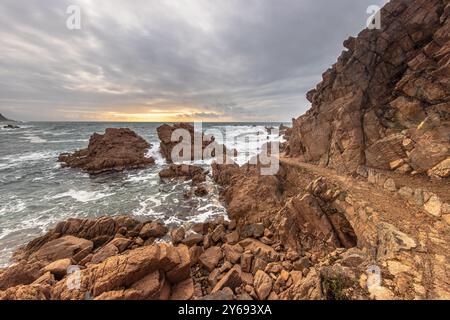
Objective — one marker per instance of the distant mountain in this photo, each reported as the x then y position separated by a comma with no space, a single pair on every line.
2,118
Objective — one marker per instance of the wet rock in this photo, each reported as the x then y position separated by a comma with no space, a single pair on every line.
201,227
218,233
201,191
116,150
193,239
191,172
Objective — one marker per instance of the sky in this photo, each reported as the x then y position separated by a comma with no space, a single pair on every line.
169,60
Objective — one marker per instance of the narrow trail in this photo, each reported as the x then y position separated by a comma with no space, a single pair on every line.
432,255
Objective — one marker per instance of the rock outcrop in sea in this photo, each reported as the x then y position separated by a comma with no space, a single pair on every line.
116,150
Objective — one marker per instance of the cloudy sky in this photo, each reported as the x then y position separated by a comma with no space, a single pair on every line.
169,60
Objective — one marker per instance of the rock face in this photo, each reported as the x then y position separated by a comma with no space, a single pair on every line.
386,98
116,150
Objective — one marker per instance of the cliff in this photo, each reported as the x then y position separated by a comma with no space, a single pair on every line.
386,100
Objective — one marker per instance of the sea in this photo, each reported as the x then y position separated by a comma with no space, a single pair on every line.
36,192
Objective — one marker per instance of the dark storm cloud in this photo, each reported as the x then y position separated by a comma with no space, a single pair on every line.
232,60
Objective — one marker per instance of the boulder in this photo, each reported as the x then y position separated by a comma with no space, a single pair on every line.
59,267
183,290
210,258
62,248
232,280
193,239
153,229
105,252
263,284
177,235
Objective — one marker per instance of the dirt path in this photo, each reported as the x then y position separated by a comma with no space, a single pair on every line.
432,256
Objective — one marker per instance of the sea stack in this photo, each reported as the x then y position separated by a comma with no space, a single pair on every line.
116,150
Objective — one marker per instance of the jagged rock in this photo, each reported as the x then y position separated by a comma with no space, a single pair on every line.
232,252
384,83
116,150
208,149
210,258
193,239
58,267
194,253
61,248
218,234
183,290
246,261
153,229
263,284
121,243
177,235
105,252
231,279
232,237
433,206
391,241
194,173
441,170
254,230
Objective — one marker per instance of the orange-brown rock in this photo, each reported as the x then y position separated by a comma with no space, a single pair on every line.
115,150
388,86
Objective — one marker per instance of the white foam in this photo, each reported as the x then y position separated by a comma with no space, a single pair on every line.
34,139
82,196
155,154
15,160
13,206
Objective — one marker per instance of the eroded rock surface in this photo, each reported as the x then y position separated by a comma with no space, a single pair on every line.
386,98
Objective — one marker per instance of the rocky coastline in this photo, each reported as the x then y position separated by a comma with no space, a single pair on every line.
358,210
